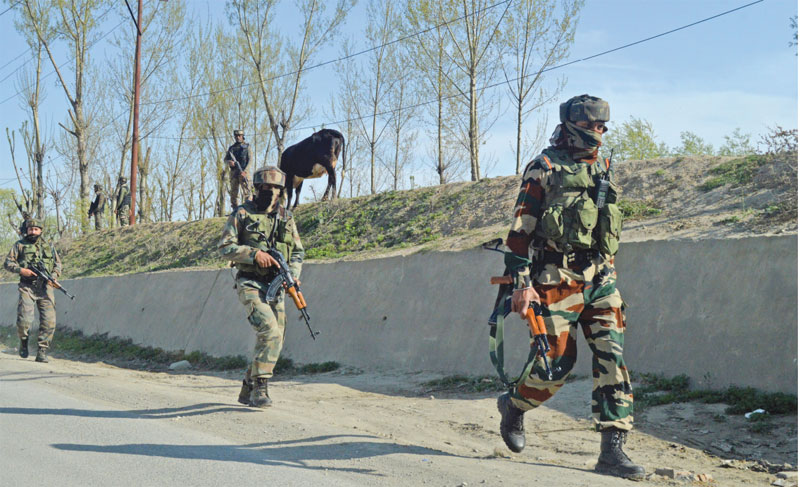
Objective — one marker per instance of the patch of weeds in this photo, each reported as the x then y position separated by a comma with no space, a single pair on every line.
73,343
286,366
760,423
771,210
634,209
655,389
735,172
719,418
661,173
730,220
464,383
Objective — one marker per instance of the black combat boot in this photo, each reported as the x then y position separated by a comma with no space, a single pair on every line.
512,426
41,355
23,347
244,393
613,460
259,396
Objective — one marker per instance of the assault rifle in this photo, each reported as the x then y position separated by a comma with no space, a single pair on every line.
39,269
93,207
502,308
239,168
285,280
605,182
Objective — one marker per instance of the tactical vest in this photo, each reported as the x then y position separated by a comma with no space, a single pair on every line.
570,218
275,226
30,253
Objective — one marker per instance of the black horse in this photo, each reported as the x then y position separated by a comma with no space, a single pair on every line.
311,158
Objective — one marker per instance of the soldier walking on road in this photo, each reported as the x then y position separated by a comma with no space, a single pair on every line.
239,153
572,235
242,242
31,250
122,200
98,207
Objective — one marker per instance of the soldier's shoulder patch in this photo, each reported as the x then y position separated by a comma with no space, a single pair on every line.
540,162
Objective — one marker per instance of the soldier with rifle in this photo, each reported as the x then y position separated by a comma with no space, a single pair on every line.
31,257
261,240
122,200
564,235
238,158
98,207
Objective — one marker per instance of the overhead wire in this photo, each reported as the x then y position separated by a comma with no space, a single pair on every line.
332,61
504,82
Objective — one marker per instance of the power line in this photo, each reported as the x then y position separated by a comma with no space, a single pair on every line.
332,61
71,59
495,85
9,8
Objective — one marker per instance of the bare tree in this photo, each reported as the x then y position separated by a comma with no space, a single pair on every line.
58,188
476,56
270,55
430,56
76,25
538,35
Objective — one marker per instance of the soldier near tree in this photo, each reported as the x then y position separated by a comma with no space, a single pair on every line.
98,207
122,201
243,243
238,158
562,243
34,293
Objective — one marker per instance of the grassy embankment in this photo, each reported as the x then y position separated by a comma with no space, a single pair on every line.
452,216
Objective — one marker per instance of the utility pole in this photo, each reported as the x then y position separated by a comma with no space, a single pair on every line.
136,90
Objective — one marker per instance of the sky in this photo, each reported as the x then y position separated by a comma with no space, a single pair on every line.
735,71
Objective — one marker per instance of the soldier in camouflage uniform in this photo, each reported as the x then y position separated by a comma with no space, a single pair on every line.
562,251
122,201
242,244
238,152
98,207
34,292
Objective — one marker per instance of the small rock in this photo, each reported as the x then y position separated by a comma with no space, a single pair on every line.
666,472
684,475
182,365
463,484
779,483
791,475
433,397
703,477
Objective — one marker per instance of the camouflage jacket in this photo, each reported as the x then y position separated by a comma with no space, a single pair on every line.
98,205
241,151
240,241
123,196
542,187
23,253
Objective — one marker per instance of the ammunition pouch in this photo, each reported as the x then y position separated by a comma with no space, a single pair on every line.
570,221
609,229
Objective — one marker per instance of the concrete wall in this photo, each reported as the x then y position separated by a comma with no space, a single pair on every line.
722,311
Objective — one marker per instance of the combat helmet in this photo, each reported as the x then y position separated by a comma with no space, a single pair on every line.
585,108
123,179
269,175
32,222
238,132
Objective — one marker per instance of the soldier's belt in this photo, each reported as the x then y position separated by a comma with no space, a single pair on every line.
266,278
578,259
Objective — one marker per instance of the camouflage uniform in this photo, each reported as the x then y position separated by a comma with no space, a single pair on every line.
98,208
578,293
563,245
240,245
240,151
34,292
123,203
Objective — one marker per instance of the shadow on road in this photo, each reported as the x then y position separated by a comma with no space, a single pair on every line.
304,453
163,413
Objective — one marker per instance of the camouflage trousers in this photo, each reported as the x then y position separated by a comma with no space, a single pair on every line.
588,299
124,215
237,181
98,221
269,322
32,297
